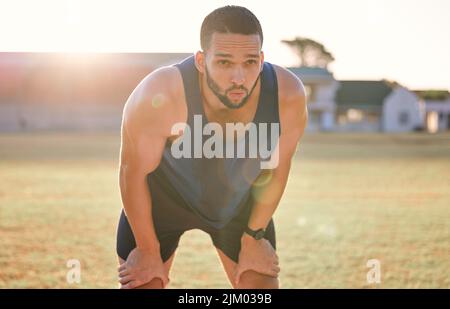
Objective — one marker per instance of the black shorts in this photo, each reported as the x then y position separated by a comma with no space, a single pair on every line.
171,218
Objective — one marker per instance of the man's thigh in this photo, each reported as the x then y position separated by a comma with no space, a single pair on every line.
228,244
168,238
228,239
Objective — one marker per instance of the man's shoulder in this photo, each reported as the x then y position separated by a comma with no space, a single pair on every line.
291,93
289,85
164,80
157,99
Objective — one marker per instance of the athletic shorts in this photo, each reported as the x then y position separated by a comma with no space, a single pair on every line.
172,217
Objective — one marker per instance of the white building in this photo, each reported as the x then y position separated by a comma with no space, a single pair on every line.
378,106
403,111
437,106
439,112
320,87
364,106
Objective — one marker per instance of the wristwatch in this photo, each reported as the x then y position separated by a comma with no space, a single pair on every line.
256,234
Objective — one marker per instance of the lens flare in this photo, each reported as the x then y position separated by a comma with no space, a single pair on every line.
263,178
158,100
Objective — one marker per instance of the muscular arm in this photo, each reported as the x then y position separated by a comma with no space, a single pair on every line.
293,118
259,255
145,127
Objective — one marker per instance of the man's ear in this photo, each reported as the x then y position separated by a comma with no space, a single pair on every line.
200,61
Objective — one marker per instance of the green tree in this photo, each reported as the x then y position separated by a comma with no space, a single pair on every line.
311,53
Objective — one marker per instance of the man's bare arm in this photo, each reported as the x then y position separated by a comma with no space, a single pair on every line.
258,255
147,121
293,117
146,125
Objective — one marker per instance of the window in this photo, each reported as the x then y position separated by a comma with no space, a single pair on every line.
355,115
403,118
342,119
373,117
314,116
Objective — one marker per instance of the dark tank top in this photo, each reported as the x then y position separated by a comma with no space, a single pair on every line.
216,188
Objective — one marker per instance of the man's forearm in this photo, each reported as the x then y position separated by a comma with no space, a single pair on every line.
136,201
267,198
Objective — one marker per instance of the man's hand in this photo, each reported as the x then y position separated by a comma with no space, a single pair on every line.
257,255
141,267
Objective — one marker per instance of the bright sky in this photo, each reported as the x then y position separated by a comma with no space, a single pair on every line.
402,40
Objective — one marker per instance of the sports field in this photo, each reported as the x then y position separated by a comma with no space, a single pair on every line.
350,198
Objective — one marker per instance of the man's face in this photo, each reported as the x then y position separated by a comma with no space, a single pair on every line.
233,63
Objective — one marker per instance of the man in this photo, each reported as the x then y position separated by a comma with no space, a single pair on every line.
231,197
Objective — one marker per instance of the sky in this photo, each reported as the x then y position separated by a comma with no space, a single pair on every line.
401,40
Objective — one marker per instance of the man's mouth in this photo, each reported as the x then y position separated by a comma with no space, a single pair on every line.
236,94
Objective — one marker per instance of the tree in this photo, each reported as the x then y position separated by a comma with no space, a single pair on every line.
310,52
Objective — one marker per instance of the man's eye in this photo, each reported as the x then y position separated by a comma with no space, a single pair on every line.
251,61
223,62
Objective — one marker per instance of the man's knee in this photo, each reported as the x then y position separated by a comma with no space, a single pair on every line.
155,283
254,280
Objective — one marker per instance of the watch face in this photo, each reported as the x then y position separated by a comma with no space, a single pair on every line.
259,234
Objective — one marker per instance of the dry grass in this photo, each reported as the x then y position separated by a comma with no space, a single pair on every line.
350,198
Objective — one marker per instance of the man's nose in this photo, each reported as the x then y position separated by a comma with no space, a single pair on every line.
238,76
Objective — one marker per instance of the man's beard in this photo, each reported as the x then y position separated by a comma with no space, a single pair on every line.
223,97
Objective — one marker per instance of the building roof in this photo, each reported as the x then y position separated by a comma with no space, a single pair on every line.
433,95
312,74
363,93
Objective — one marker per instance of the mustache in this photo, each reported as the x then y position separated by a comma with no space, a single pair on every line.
237,88
243,88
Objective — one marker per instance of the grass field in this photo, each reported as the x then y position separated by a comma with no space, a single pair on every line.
350,198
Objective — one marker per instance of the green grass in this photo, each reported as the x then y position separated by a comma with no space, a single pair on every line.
350,198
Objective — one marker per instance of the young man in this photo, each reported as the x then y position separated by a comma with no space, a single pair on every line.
173,180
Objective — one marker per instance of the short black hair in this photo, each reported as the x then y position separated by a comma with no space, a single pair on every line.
229,19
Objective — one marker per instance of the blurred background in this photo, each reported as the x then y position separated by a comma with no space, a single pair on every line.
370,180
